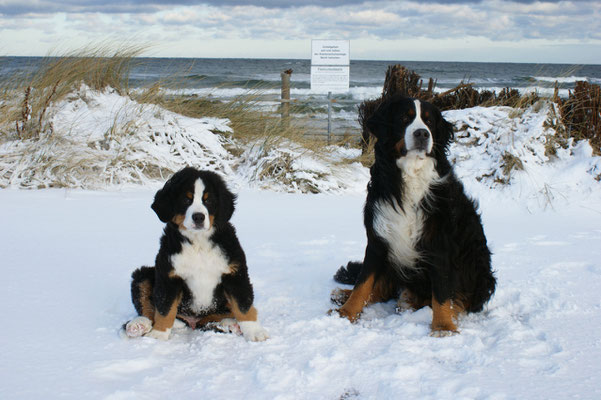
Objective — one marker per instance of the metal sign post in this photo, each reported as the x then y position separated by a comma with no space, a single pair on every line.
330,70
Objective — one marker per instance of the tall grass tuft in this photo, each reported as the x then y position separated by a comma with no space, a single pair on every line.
25,98
581,113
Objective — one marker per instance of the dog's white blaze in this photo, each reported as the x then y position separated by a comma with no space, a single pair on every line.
402,228
200,264
197,207
416,124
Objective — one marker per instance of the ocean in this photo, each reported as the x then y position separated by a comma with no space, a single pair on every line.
226,79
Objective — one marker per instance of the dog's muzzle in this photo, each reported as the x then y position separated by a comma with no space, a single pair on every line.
198,219
421,140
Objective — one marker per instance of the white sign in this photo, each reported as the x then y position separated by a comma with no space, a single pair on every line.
330,70
330,52
330,79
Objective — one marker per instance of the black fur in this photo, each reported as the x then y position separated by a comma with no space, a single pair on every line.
171,201
455,259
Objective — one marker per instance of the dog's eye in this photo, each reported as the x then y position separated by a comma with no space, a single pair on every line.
187,201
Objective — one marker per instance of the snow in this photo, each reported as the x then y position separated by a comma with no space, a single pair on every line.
68,255
488,135
99,139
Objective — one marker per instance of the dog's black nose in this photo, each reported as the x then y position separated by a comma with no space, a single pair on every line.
421,134
198,218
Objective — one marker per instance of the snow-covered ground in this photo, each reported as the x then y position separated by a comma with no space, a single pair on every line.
67,256
98,140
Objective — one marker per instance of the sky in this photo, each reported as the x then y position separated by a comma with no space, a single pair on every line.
441,30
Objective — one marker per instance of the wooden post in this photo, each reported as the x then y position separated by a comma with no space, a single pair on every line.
329,117
285,102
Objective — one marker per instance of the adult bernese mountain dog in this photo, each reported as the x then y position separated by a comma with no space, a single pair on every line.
425,241
200,275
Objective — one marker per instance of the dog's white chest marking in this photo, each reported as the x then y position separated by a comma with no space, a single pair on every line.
200,264
400,227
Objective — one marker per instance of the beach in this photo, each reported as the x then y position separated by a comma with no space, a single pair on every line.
78,173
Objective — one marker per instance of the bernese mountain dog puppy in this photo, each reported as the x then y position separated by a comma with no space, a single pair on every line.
425,241
200,275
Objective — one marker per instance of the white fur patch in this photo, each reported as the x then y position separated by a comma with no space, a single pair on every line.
253,331
159,335
402,228
197,206
200,264
417,123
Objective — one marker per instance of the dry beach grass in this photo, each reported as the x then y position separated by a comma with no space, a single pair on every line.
25,101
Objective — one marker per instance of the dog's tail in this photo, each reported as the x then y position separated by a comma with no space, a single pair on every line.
348,275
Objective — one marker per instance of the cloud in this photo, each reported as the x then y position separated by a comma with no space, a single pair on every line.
19,7
297,21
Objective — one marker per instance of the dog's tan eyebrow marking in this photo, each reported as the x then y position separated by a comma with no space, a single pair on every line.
190,195
411,112
205,196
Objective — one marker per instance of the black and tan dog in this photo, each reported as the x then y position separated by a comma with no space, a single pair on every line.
425,241
200,274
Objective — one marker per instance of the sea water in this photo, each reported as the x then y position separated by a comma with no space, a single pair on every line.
226,79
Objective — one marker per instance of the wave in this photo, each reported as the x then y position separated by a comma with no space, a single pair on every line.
566,79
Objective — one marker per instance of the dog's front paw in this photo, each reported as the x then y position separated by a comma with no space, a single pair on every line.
160,335
340,296
253,331
442,333
443,330
137,327
344,312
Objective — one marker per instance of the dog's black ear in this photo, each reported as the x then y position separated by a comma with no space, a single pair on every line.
379,122
163,203
227,200
445,132
165,199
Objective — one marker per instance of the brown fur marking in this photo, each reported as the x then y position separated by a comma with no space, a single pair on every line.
205,196
145,295
196,322
190,195
164,322
250,315
383,291
443,315
214,318
358,299
178,220
399,146
211,221
233,267
411,301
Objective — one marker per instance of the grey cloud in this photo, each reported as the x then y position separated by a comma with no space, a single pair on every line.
14,7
